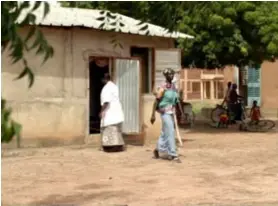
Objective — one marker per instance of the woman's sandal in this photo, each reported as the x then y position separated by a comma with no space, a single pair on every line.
175,159
156,154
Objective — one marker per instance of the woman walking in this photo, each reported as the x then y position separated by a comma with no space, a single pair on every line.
166,99
111,116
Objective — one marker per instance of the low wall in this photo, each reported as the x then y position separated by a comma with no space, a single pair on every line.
49,123
58,122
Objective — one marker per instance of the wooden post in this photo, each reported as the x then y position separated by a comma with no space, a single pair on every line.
177,130
205,89
202,90
211,89
216,89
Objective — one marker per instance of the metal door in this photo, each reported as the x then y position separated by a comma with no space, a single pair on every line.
128,79
254,85
167,58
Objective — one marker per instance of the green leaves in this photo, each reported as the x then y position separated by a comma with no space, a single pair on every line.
27,72
244,6
111,22
230,32
16,45
244,51
215,20
272,47
30,34
46,9
230,12
9,128
36,6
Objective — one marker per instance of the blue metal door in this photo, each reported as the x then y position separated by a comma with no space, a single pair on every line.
254,85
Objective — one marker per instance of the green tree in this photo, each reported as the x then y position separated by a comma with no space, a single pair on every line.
225,32
238,33
162,13
16,46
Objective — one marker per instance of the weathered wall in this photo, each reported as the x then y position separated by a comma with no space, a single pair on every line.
229,74
49,112
269,85
55,109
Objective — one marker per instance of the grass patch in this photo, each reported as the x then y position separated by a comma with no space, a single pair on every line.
197,106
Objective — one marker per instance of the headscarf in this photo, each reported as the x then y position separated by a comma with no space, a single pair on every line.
168,71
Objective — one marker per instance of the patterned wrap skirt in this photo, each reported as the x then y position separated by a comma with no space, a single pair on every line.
112,136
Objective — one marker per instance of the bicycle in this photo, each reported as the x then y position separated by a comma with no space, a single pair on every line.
189,115
221,108
214,116
263,125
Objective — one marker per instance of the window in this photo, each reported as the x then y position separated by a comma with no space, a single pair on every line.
146,56
196,87
189,86
220,89
207,90
193,86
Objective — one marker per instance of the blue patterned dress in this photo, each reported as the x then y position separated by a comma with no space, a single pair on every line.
166,108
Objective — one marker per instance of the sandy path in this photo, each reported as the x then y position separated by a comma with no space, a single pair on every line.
220,168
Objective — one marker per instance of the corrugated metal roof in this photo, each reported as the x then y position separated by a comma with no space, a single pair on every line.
67,17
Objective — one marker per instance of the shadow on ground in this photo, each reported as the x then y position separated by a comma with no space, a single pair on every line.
79,197
203,126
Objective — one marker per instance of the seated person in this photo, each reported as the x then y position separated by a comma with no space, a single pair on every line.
255,113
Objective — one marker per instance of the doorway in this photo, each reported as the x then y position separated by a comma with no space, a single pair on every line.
98,66
145,55
207,90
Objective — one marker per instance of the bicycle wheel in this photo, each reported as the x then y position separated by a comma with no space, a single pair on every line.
190,119
266,124
193,118
261,126
252,127
214,116
184,122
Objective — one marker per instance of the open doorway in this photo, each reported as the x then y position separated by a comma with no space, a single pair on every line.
97,68
145,55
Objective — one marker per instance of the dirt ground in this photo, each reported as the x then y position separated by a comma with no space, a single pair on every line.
218,167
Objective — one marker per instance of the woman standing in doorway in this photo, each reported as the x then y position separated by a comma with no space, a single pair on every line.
166,99
112,117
